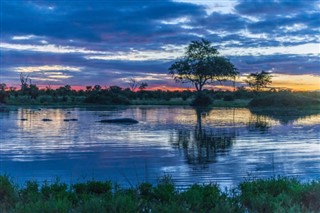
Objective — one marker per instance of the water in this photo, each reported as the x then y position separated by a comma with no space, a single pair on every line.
192,146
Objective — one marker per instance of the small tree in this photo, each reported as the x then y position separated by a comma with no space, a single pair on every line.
259,80
143,85
3,93
134,84
97,88
24,82
202,65
88,88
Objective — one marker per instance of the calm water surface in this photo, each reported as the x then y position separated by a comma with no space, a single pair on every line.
193,146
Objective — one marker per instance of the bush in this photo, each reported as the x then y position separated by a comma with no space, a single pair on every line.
45,99
262,195
93,187
201,100
283,99
8,195
228,97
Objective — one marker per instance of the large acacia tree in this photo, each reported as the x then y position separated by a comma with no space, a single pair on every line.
202,65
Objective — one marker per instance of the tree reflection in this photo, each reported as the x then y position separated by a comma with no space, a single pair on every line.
201,144
284,116
259,123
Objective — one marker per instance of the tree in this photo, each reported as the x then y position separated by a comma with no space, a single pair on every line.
259,80
134,84
24,82
143,85
3,93
97,87
33,91
202,65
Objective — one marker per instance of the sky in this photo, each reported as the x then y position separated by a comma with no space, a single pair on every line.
107,42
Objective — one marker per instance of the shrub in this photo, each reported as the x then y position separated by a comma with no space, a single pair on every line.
283,99
228,97
93,187
8,195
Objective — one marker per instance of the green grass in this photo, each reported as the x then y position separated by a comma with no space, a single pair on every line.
278,194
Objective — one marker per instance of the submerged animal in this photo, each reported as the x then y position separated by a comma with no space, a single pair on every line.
46,119
71,119
120,120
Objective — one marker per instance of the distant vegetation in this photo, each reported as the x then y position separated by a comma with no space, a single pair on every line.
114,95
269,195
286,99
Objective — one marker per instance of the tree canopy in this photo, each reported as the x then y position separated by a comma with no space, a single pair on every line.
259,80
202,65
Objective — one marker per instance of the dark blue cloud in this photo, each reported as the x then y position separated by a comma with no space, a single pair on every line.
263,8
281,64
94,21
120,26
223,22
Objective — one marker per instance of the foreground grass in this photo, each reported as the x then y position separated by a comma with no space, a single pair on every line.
270,195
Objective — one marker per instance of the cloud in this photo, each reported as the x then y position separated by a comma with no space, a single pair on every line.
25,37
46,68
262,8
114,40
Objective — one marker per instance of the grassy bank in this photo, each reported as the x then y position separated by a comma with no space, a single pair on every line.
270,195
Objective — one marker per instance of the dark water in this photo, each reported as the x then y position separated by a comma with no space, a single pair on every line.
193,146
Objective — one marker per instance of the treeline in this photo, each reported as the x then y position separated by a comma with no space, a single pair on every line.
115,95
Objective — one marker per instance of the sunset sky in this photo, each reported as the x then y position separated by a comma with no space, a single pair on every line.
108,42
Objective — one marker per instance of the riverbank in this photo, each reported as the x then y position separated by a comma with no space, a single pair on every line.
139,102
280,194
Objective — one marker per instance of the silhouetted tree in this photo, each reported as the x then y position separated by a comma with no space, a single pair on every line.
65,90
97,87
88,88
259,80
202,65
25,81
143,85
134,84
3,93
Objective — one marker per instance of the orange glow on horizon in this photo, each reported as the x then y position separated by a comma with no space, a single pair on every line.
296,82
293,82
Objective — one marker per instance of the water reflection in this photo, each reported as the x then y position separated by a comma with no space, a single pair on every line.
201,144
192,145
259,123
285,116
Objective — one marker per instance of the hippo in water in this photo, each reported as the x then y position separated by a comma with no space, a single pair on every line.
120,120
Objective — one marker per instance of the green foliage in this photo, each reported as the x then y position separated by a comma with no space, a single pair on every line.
279,194
93,187
8,193
165,190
